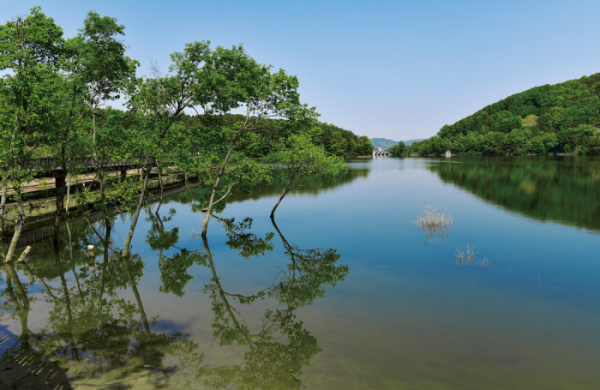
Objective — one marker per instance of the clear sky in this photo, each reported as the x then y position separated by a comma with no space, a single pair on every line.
392,69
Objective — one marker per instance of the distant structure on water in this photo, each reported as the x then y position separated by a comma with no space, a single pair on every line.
378,151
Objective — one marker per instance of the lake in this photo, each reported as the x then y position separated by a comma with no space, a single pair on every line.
343,291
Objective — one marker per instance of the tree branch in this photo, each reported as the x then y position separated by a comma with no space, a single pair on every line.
223,197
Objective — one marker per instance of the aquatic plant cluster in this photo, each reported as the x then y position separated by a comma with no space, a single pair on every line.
469,257
439,224
435,223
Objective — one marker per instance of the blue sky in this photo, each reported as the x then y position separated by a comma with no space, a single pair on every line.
393,69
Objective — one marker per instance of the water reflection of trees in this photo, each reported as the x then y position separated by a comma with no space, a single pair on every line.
280,347
89,327
563,190
173,269
101,336
309,186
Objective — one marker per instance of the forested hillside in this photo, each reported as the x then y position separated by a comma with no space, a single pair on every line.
548,119
383,142
388,143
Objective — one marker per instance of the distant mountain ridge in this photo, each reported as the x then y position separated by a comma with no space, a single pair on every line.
388,143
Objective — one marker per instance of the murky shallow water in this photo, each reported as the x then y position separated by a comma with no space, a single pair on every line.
344,292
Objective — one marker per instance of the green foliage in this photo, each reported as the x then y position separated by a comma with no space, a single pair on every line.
173,269
398,149
549,119
363,146
30,92
298,157
248,244
90,314
278,348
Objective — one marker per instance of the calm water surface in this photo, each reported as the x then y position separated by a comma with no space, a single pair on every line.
344,292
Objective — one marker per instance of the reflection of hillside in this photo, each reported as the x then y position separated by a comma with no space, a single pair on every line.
312,185
548,189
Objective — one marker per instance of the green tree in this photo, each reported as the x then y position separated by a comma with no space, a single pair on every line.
575,139
398,149
100,72
363,147
297,158
278,349
29,50
553,119
339,146
158,103
237,80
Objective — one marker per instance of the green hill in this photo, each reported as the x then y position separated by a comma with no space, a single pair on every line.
412,141
383,142
548,119
388,143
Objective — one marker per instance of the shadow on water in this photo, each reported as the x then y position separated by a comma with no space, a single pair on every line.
93,336
309,186
563,190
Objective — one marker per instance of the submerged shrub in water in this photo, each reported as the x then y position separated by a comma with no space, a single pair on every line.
469,258
434,222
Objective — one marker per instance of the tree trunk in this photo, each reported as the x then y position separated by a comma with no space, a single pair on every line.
136,215
67,205
11,273
136,292
24,255
106,243
19,225
21,300
286,189
67,296
3,198
209,208
59,198
222,293
216,185
160,181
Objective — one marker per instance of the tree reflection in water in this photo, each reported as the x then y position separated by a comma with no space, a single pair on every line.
90,329
173,269
105,340
559,189
280,346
